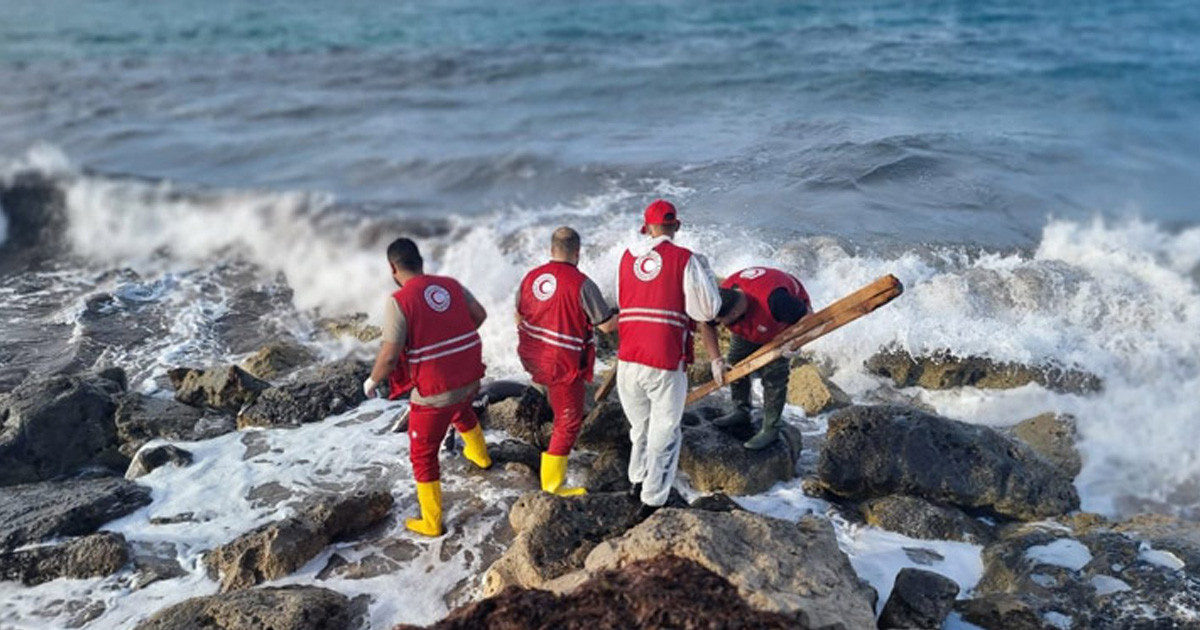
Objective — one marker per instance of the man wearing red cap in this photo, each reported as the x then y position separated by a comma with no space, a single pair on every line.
756,305
430,344
662,289
557,308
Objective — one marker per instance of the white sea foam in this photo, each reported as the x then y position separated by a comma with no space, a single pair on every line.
1064,552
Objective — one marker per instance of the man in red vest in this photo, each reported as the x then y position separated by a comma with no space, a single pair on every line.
757,304
430,344
557,308
662,290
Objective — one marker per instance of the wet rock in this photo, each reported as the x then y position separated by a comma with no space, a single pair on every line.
40,511
795,569
605,429
227,389
919,599
1052,436
663,592
278,549
555,534
944,370
278,359
879,451
91,556
527,418
715,503
287,607
350,327
154,562
141,418
149,459
808,388
330,390
1095,576
608,473
918,518
717,462
54,427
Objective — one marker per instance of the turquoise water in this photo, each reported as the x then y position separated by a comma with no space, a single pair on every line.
967,122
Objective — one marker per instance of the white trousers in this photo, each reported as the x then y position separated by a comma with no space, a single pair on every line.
653,401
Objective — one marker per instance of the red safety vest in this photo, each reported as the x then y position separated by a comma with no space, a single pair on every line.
443,351
554,338
757,325
653,325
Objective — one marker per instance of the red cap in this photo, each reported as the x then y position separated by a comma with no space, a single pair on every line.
660,212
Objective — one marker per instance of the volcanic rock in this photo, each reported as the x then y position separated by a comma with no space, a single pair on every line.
54,427
1052,436
944,370
663,592
528,418
808,388
91,556
717,462
40,511
278,359
918,518
278,549
281,608
795,569
878,451
141,418
350,327
148,459
227,389
330,390
920,599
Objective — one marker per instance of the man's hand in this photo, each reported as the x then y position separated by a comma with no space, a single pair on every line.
790,351
718,371
369,387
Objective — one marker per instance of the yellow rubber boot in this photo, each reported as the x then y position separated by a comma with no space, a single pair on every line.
554,473
475,449
429,496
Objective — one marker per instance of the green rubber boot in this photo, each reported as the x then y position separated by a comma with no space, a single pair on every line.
738,417
766,436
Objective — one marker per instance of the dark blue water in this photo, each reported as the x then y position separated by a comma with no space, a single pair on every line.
963,122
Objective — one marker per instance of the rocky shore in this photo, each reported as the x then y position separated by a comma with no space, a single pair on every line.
74,447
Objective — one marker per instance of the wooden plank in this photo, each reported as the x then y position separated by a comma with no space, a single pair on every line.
810,328
606,386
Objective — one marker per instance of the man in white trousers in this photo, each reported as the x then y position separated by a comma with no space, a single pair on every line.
662,290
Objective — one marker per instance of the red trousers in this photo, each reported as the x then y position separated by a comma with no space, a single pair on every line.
426,429
567,402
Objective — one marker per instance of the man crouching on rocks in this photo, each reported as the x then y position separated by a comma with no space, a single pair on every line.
557,309
430,342
756,305
662,289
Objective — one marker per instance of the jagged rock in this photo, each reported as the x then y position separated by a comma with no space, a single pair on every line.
1095,576
330,390
795,569
943,370
54,427
154,457
555,534
808,388
39,511
278,359
1166,533
91,556
918,518
878,451
920,599
353,326
141,418
278,549
1052,436
609,472
605,430
717,462
527,418
281,608
664,592
226,388
715,503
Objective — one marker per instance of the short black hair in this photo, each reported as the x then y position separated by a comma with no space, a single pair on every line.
403,254
729,301
565,240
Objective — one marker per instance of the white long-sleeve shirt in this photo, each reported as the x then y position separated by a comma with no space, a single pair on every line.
701,296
